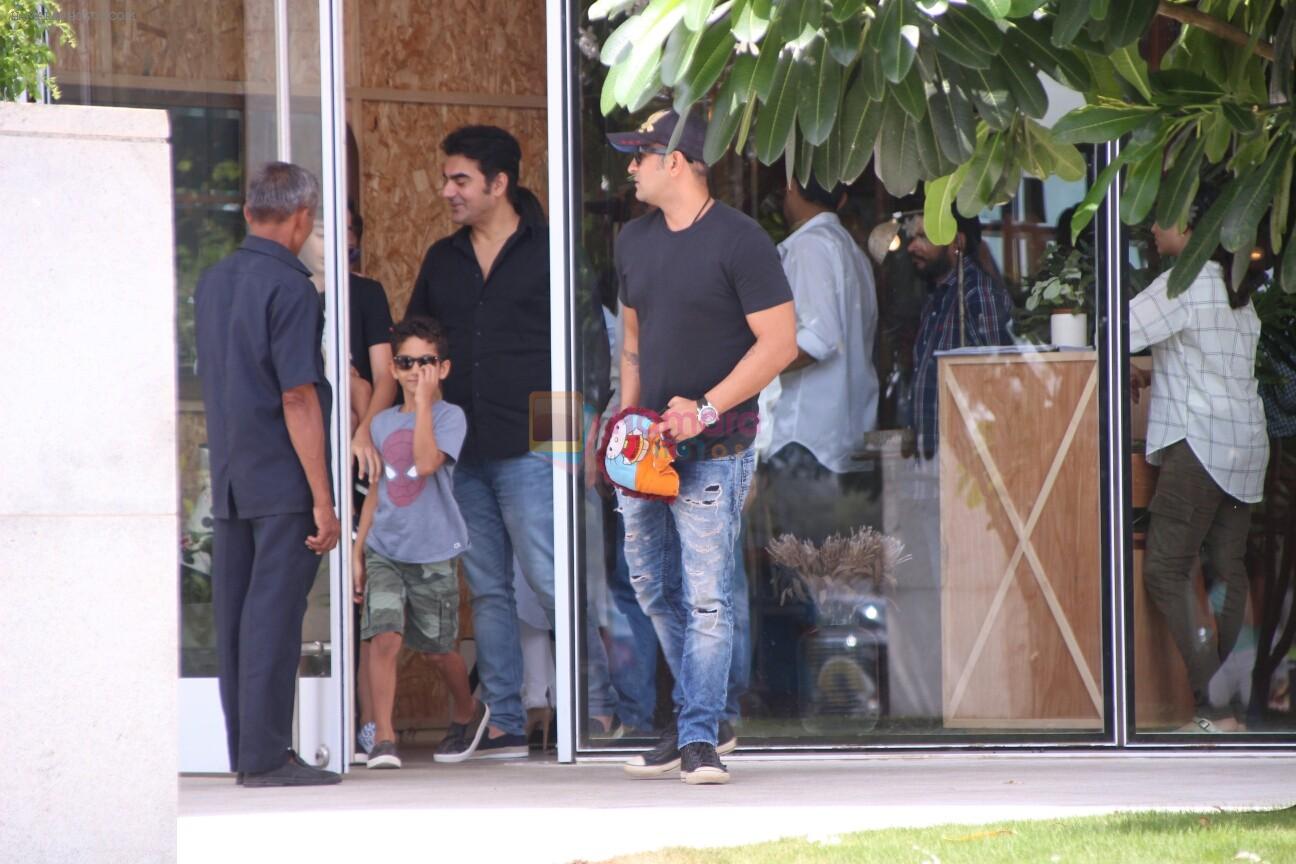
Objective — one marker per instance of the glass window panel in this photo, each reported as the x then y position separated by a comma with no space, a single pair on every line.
993,628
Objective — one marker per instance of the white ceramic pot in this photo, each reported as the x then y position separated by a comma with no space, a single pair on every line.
1069,329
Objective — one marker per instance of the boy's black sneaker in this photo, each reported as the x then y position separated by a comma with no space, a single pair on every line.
461,739
384,755
503,747
700,765
727,738
294,772
661,759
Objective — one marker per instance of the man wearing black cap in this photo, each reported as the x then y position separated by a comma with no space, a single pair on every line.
708,322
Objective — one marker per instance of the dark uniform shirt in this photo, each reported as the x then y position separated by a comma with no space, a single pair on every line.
499,333
259,322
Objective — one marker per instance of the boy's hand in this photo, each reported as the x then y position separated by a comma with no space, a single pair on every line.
428,389
357,577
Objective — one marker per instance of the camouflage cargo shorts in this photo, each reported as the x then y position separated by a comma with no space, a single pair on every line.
420,601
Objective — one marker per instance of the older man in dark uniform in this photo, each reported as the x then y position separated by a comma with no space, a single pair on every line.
259,323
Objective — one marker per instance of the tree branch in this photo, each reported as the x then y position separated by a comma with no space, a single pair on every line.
1194,17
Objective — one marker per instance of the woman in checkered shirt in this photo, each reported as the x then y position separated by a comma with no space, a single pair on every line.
1206,431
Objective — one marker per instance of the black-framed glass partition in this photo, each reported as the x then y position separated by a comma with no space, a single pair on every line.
971,441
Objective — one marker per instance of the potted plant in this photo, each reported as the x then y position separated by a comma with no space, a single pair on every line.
839,660
1064,289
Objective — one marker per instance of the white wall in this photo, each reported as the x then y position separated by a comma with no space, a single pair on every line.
88,524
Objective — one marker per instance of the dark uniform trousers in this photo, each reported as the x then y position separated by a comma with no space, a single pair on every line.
262,572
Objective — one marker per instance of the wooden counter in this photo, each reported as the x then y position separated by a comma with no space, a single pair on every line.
1020,548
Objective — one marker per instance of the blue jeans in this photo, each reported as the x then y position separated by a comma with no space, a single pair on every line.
696,626
635,680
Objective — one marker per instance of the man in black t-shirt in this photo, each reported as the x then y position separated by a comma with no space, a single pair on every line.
708,322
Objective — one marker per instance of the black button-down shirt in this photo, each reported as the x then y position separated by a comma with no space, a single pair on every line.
259,322
499,333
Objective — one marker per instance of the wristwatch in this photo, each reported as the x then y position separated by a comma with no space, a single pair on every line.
708,416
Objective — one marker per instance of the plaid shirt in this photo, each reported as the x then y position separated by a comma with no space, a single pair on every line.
988,313
1204,387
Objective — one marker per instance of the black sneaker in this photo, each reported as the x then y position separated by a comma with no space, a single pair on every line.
384,755
503,747
461,739
727,737
294,772
662,759
700,765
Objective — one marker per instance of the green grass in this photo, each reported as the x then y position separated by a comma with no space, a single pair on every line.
1129,838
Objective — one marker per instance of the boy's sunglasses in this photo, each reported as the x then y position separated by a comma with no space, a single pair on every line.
404,362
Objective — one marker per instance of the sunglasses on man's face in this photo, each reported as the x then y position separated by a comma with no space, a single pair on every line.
404,362
646,151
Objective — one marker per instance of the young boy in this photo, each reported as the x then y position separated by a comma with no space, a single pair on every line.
410,535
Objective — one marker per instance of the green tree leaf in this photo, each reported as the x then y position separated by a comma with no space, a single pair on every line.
778,117
696,13
990,93
821,86
1255,191
1287,270
708,63
1141,184
1201,243
1133,68
1279,215
896,154
897,40
1070,19
829,158
983,173
961,42
861,120
1029,39
992,8
844,40
844,9
681,45
1097,124
1180,184
1126,21
938,207
911,94
752,21
766,69
1024,84
953,122
1044,151
1218,134
933,161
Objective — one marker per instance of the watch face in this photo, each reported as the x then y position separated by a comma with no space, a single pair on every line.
708,415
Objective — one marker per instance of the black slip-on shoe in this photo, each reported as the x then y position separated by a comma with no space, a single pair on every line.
293,772
661,759
503,747
700,765
463,739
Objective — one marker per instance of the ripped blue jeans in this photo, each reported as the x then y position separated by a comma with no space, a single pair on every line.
696,630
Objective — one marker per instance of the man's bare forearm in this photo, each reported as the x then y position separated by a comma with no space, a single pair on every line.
629,378
305,422
758,367
384,396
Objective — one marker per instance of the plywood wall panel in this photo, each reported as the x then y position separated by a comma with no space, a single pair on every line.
401,181
163,38
455,46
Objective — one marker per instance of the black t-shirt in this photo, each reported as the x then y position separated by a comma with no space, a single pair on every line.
692,290
499,333
371,321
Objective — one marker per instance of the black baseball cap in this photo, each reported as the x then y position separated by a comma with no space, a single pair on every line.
657,130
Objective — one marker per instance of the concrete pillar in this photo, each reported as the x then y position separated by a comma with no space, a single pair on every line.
88,496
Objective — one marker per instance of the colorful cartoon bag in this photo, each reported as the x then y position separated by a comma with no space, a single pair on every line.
638,464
